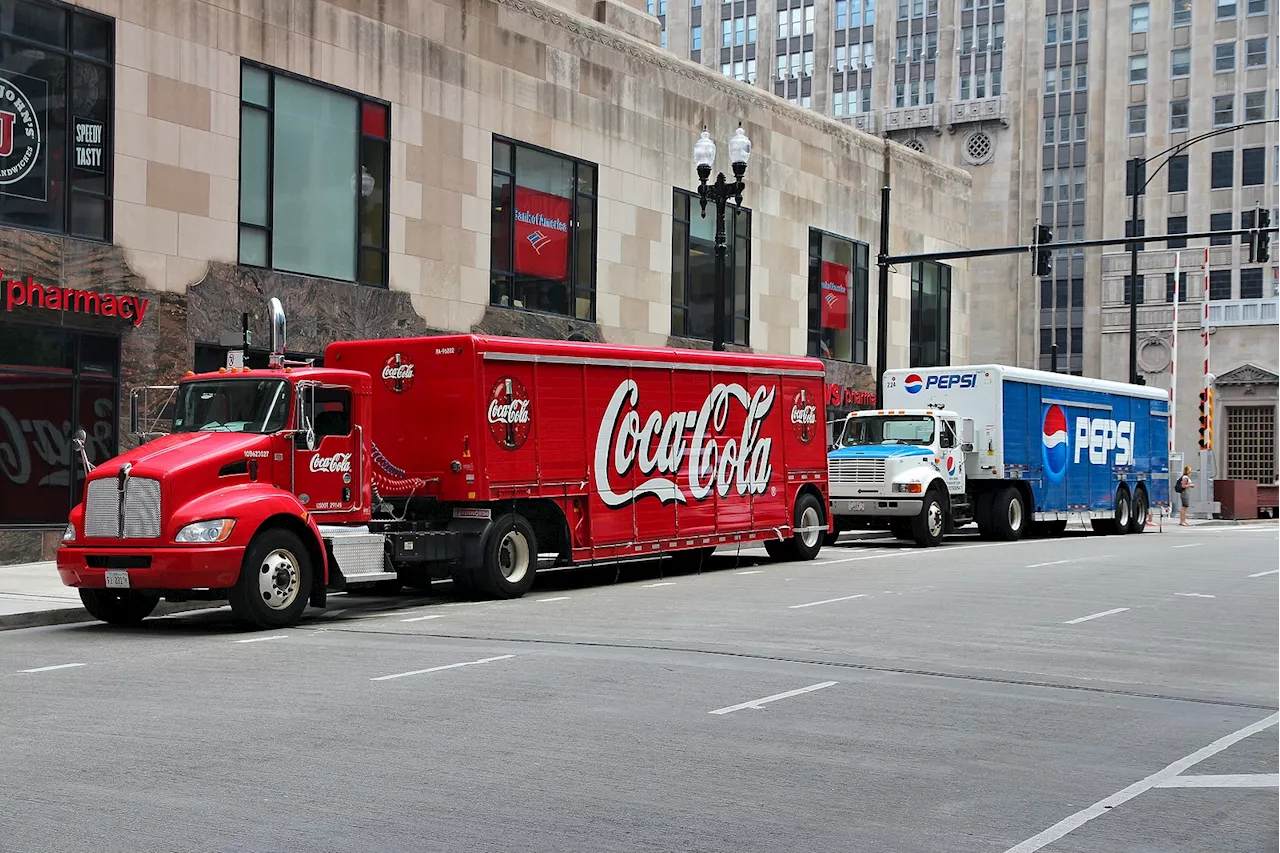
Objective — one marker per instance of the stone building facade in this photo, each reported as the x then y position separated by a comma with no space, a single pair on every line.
407,167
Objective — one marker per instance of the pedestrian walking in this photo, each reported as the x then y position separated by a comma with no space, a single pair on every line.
1183,488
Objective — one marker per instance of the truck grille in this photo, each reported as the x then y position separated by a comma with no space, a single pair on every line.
141,509
855,471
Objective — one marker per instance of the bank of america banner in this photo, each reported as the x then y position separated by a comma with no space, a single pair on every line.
542,234
835,296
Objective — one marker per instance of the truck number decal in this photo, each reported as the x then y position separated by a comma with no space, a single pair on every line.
1098,436
659,445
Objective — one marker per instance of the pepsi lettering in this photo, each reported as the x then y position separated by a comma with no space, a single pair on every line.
914,383
659,446
1099,436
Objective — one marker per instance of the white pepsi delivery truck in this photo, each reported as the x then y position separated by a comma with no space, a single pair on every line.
1005,448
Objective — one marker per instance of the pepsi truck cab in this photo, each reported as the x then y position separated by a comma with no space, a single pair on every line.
1004,448
477,458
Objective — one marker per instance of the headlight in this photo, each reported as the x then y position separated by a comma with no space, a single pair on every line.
69,535
214,530
911,488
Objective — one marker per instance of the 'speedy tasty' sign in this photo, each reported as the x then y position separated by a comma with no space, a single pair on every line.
54,298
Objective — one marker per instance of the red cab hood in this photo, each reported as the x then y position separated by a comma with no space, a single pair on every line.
171,454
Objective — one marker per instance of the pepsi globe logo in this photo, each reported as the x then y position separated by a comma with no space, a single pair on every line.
1054,445
913,383
951,466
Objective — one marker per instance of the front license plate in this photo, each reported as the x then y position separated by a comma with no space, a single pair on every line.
859,506
117,579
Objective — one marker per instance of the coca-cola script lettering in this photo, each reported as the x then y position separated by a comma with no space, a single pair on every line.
515,412
804,417
338,463
659,444
397,374
510,413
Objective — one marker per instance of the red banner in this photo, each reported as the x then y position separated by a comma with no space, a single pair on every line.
542,234
835,296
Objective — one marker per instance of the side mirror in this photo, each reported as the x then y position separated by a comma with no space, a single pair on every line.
306,433
134,417
78,440
967,447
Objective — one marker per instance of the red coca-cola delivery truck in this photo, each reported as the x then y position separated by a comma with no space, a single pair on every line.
477,458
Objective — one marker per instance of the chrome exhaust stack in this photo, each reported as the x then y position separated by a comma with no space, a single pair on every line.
275,317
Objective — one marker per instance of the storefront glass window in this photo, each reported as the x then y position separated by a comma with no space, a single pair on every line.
837,297
56,85
314,168
931,314
53,381
693,262
544,221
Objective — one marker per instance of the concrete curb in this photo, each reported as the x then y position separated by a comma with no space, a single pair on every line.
73,615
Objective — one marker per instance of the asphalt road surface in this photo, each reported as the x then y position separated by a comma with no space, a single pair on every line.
1088,693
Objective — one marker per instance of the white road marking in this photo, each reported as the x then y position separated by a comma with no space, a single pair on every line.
464,603
1262,574
919,552
756,703
1095,616
440,668
1190,545
1072,560
1194,595
1080,818
752,572
50,668
1104,806
1234,780
827,601
424,618
557,598
264,639
652,585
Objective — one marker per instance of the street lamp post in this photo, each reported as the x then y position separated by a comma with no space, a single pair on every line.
1140,182
719,193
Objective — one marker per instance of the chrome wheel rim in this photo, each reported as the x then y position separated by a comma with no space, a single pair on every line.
934,519
1015,514
1122,511
278,579
513,556
1140,513
810,527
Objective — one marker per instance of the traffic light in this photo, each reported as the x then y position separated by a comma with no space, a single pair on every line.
1263,236
1204,419
1044,255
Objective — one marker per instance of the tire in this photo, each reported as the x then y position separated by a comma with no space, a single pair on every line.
1008,515
831,538
927,527
810,524
118,607
900,528
508,558
1141,512
1118,524
275,580
982,514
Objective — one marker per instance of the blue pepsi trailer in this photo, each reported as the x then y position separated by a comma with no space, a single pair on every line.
1069,447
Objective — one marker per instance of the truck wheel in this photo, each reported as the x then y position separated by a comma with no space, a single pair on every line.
900,528
810,526
118,607
836,529
275,580
1008,515
509,558
1141,512
927,527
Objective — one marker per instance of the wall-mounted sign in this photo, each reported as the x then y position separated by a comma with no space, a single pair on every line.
54,298
844,396
22,150
89,145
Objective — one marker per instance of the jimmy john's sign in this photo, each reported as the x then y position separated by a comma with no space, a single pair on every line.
23,151
51,297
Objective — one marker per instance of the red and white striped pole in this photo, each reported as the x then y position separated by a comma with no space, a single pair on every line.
1207,443
1173,351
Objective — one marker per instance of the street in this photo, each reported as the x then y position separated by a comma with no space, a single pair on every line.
1088,693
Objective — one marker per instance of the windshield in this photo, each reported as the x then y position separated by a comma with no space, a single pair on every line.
232,405
888,429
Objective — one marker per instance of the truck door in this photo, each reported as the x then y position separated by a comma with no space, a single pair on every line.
326,459
952,456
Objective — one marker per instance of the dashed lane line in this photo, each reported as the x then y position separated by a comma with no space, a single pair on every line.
1095,616
757,703
1229,780
827,601
441,668
1263,574
51,668
264,639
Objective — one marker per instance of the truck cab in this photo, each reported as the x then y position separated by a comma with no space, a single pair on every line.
257,493
903,470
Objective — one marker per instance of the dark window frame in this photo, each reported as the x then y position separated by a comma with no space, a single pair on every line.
935,353
361,99
1251,277
734,217
1253,167
859,297
505,279
1179,173
1220,222
1176,225
72,58
1219,284
1222,167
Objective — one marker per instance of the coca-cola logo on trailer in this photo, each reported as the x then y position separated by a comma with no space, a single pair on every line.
508,414
397,374
804,417
658,444
338,463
